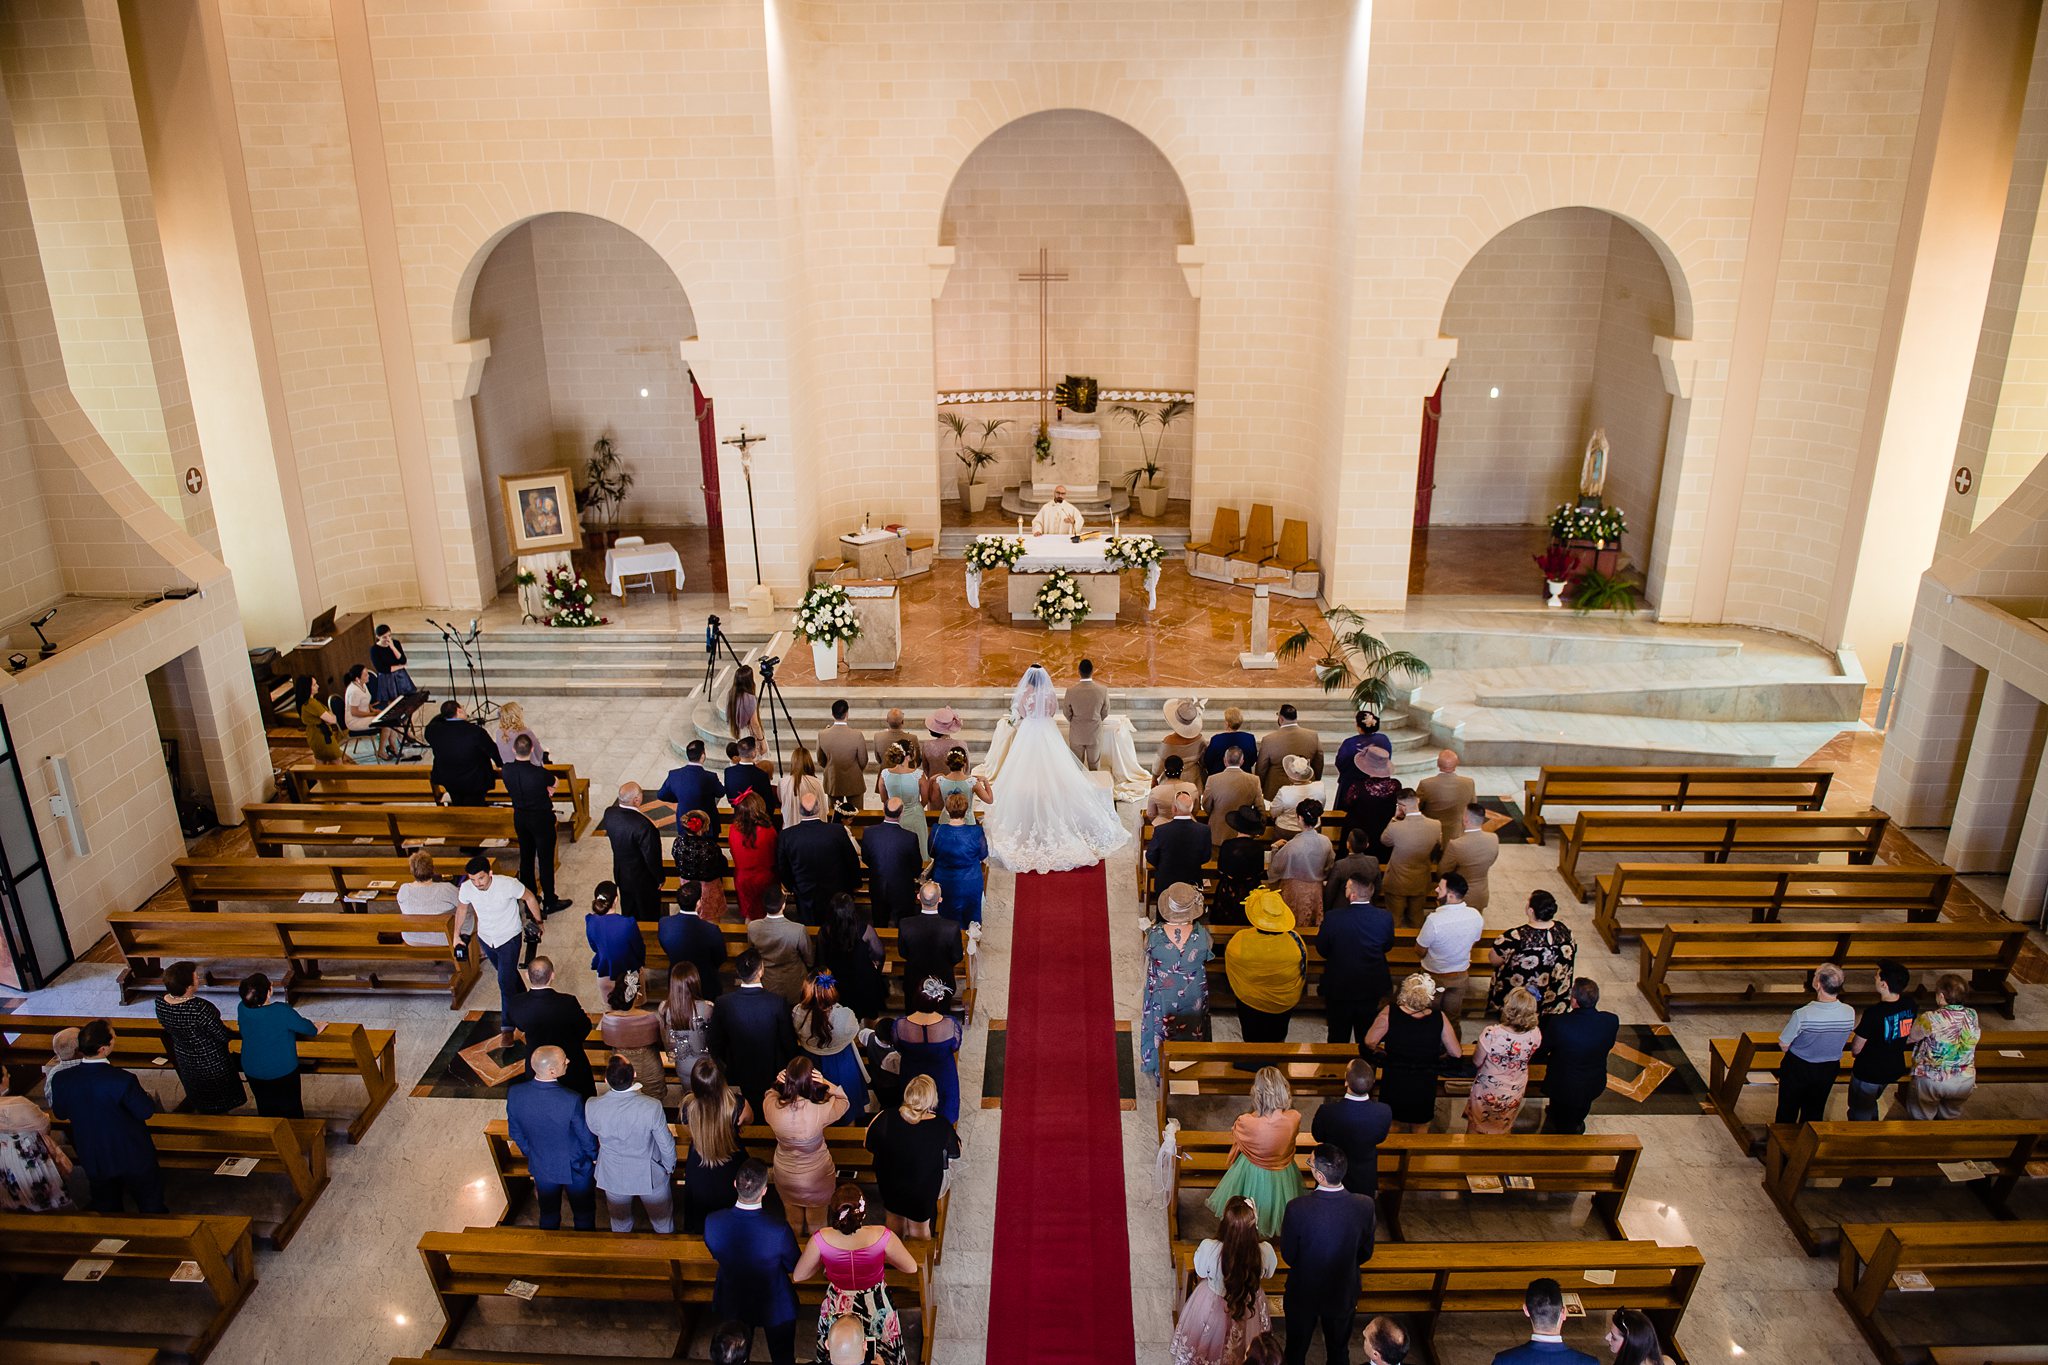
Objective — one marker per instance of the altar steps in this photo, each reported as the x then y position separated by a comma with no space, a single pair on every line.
535,661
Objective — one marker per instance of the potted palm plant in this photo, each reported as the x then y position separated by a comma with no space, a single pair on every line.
606,481
1151,496
973,458
1350,657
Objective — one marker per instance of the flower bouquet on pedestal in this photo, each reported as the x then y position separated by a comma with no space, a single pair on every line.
1060,601
568,600
824,618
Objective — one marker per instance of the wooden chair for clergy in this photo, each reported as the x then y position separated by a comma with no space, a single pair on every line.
1292,554
920,551
1259,545
1224,540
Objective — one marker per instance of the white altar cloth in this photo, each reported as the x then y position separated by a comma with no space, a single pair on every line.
1047,554
629,561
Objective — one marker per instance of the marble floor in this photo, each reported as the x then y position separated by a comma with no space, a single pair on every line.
350,1289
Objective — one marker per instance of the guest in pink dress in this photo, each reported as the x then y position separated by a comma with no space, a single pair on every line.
800,1106
856,1259
1503,1056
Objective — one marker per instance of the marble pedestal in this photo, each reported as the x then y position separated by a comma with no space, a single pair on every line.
1261,655
879,609
1104,592
876,554
1076,459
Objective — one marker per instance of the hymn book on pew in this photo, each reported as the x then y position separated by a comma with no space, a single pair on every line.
236,1165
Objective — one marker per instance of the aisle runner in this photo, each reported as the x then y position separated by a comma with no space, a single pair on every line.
1061,1279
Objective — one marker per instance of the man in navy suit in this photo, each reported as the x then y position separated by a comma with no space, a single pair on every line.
1575,1048
750,1033
1355,1124
109,1115
1544,1305
894,865
755,1251
546,1121
1325,1236
1178,849
692,787
815,861
553,1019
1354,941
744,775
689,937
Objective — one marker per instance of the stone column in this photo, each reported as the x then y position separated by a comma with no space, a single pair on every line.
2028,885
2005,753
1922,766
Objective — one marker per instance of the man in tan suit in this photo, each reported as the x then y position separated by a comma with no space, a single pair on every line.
1472,855
1444,795
1410,877
843,759
1290,738
896,734
1225,792
1085,706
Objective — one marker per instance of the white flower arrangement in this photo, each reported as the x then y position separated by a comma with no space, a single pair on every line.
993,552
1132,552
826,616
569,601
1605,526
1060,599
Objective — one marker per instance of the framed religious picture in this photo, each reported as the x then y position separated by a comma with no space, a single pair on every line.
540,511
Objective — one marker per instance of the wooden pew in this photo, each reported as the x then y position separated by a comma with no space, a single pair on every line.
1671,788
1717,836
364,784
1733,1065
1952,1256
206,882
396,829
892,962
42,1351
367,1055
1804,1152
1983,952
1766,891
607,1267
1402,959
1423,1281
301,942
1601,1164
43,1246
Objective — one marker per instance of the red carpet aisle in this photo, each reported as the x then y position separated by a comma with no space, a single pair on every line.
1061,1277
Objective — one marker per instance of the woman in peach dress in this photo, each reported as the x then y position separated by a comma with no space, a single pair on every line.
1503,1056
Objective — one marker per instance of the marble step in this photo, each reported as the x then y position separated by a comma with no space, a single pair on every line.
1500,737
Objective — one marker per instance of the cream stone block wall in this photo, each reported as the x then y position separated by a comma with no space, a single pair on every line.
1630,398
515,423
30,574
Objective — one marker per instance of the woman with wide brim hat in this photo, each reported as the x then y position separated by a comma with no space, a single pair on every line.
1177,953
1183,740
1240,864
1267,967
1368,792
943,724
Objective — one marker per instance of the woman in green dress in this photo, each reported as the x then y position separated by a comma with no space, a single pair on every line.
902,780
1262,1165
958,779
1177,953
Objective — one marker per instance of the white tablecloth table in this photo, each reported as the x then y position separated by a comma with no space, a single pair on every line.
630,561
1045,555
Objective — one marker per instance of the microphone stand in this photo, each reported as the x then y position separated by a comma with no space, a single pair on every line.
486,709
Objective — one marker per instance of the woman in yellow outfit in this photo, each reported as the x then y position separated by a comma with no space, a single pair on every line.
1267,967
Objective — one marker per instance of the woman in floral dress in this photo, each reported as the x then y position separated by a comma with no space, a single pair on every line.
1177,953
1537,956
1503,1056
32,1165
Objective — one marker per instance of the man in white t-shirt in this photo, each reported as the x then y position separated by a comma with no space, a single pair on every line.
497,902
1446,940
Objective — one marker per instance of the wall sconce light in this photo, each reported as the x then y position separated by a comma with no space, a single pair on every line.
64,805
1493,392
643,393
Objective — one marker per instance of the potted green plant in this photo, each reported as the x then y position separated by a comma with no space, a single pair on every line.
973,458
606,481
1350,656
1151,497
1597,591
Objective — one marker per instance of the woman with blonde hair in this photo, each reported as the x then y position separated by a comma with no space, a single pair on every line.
913,1145
801,777
1414,1039
1228,1308
902,776
1262,1165
1503,1058
511,725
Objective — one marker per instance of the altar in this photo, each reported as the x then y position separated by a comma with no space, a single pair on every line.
1099,577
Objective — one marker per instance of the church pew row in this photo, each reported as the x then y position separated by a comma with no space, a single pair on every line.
1985,953
1735,1065
399,830
1424,1281
1192,1070
1274,837
206,883
36,1249
1601,1165
1402,959
1671,789
362,784
43,1351
298,948
848,1145
367,1055
1953,1258
1802,1153
1767,891
1717,836
605,1267
965,983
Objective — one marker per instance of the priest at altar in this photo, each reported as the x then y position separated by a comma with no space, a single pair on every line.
1058,517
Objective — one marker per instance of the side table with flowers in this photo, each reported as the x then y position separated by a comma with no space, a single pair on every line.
824,618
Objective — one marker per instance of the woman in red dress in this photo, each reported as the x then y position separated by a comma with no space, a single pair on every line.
752,841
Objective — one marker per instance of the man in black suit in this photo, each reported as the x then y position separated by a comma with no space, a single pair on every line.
109,1115
751,1034
1354,941
928,941
692,787
1355,1124
1325,1236
744,775
894,865
532,789
1178,849
636,854
465,758
552,1018
815,861
1575,1048
1356,864
689,937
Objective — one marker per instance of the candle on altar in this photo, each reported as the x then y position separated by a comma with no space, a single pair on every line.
1116,526
1020,526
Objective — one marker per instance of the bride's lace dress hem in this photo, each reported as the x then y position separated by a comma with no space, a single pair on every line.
1048,814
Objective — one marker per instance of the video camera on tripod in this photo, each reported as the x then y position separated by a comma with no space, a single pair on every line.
771,693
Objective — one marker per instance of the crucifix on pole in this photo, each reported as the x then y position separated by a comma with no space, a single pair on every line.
745,444
1041,277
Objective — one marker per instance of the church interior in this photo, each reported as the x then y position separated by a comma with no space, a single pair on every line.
1639,407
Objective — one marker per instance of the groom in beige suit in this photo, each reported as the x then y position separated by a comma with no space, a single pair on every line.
1086,706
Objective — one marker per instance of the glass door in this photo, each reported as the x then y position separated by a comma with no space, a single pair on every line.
33,944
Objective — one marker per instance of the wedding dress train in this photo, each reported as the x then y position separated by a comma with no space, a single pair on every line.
1048,814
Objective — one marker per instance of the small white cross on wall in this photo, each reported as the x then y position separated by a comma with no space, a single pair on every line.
1963,480
194,480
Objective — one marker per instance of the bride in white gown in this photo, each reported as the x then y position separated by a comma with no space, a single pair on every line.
1048,814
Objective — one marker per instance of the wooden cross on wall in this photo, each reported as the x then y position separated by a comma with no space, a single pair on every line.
1041,277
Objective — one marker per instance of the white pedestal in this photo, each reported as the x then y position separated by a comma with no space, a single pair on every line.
1104,592
1076,459
760,602
880,612
1261,655
876,554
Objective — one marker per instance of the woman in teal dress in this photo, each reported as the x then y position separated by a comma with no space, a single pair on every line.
906,783
958,780
959,849
1262,1161
1177,953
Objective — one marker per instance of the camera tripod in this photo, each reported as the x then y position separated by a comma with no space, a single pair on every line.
771,692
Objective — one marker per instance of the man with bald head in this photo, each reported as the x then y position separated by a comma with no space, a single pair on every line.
846,1343
546,1121
1058,517
636,854
896,734
1445,794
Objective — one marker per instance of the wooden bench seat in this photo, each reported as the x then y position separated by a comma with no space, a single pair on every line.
395,829
1403,958
607,1267
1766,891
1717,836
339,1049
43,1246
303,946
1952,1256
1753,1059
1801,1153
1671,789
1985,953
1191,1070
370,882
892,962
362,784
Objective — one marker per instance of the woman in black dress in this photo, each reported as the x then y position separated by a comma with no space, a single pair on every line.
912,1146
1240,865
713,1112
849,949
1414,1039
198,1041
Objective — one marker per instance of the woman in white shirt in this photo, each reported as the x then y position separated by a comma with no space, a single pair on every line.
427,894
1300,786
360,712
1227,1310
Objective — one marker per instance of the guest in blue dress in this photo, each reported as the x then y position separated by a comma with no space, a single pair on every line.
1177,953
959,849
928,1041
616,947
828,1031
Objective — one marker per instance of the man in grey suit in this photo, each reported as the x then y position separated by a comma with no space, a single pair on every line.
1086,706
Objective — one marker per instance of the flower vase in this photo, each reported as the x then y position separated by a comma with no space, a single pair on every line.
1557,587
1061,625
825,660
